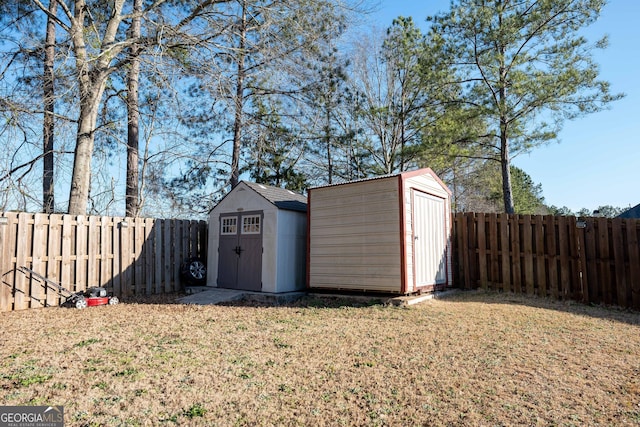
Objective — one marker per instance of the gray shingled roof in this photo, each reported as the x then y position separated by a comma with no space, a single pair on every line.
280,197
633,212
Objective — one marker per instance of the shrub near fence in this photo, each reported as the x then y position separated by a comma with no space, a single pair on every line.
129,256
592,260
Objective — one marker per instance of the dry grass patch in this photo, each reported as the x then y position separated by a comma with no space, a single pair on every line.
474,359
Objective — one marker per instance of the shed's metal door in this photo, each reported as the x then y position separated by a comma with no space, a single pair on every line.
240,251
430,240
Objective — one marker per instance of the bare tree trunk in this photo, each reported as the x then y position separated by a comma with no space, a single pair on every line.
48,202
505,163
505,159
92,76
132,197
239,100
327,136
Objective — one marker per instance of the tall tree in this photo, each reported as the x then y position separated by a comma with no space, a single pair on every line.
262,49
98,42
274,151
525,69
132,197
327,128
48,195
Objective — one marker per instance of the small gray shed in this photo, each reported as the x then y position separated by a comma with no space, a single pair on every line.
257,239
387,234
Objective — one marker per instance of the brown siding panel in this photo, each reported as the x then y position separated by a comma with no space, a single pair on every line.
354,237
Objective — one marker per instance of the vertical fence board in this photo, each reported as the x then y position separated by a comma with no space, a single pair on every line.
494,250
168,264
204,239
8,270
6,279
604,271
93,239
527,248
622,297
592,282
506,252
140,260
82,258
21,291
176,249
465,251
65,271
564,242
633,247
574,285
153,254
552,255
39,259
482,250
541,269
117,279
54,257
106,253
472,235
516,260
125,265
582,264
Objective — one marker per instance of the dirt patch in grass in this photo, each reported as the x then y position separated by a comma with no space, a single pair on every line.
470,359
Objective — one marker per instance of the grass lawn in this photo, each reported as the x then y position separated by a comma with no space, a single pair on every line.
470,359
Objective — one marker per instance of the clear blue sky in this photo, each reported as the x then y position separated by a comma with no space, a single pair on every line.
597,160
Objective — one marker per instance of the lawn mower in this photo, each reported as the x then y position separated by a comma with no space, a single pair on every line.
93,296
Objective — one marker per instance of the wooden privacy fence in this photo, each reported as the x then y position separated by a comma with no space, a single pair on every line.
130,256
592,260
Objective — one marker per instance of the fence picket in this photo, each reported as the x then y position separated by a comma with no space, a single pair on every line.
527,249
604,271
619,265
516,260
153,254
482,250
54,257
165,271
38,253
125,237
591,255
494,249
6,282
552,255
21,291
574,288
506,252
540,265
464,252
582,264
565,269
633,247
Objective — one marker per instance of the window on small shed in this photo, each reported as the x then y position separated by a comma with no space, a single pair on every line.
229,225
251,224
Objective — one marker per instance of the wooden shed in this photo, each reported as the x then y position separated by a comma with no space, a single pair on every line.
257,239
387,234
